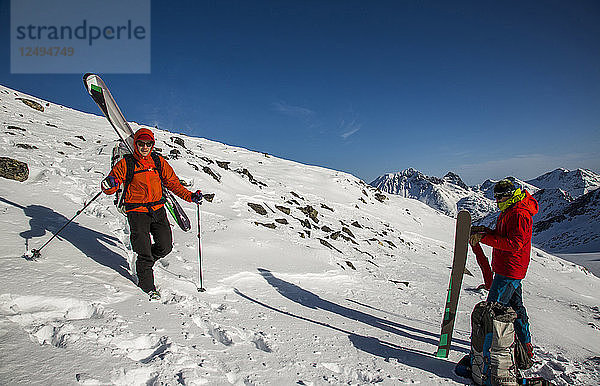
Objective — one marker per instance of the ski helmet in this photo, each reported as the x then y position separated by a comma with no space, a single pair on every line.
504,188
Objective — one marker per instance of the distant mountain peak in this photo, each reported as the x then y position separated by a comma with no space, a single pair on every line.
455,179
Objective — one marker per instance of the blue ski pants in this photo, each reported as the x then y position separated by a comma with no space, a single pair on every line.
509,292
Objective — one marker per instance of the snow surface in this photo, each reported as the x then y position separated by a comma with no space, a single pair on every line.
591,261
281,306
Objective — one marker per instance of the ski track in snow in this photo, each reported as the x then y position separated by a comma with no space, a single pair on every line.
281,306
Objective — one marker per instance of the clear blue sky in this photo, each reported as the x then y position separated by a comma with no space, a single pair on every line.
482,88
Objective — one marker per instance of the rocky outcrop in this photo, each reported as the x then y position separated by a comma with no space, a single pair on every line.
258,208
310,212
266,225
246,172
283,209
223,164
211,173
13,169
178,141
26,146
380,197
33,104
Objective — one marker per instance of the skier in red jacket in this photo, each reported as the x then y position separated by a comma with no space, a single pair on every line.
511,243
144,205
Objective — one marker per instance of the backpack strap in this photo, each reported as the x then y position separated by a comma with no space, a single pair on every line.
157,163
130,163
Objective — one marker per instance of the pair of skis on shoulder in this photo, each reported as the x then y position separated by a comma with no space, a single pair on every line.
103,98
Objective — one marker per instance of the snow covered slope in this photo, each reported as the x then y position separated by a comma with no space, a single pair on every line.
346,288
572,228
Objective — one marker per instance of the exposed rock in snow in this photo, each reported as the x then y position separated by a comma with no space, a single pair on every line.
13,169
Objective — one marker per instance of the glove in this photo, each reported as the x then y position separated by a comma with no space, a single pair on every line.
109,183
197,197
480,229
476,238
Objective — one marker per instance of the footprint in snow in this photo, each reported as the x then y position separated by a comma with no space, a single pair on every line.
561,371
144,348
26,310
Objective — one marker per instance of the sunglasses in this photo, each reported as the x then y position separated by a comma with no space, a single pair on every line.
499,196
144,143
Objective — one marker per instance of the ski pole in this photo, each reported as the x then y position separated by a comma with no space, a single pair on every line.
200,287
36,252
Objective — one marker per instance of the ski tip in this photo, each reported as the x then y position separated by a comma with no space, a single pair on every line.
88,74
85,79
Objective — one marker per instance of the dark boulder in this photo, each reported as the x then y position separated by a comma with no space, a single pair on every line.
26,146
223,164
283,209
33,104
310,212
258,208
178,141
13,169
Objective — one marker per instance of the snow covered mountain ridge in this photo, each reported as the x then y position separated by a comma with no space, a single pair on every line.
574,182
448,194
312,276
555,191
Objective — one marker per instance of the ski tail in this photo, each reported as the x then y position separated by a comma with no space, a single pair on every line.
104,99
461,243
177,212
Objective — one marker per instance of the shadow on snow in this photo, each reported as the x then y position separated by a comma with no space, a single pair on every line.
408,356
88,241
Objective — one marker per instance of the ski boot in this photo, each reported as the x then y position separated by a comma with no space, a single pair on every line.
154,295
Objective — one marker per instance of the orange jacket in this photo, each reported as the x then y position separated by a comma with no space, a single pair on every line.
145,187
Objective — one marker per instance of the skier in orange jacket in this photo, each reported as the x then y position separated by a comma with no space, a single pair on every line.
144,205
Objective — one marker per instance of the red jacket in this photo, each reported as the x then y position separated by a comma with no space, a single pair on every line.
146,186
511,239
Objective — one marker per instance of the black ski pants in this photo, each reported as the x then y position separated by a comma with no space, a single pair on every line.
141,225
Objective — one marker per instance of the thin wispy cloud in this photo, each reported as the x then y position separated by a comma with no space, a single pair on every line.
293,111
349,128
